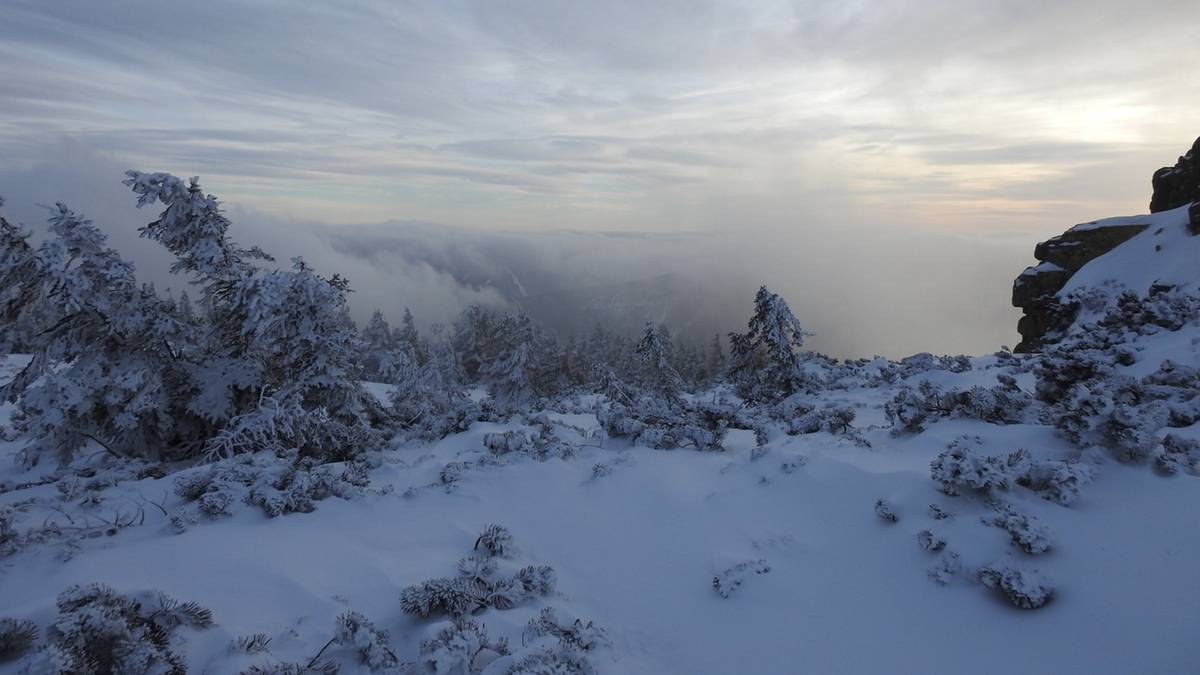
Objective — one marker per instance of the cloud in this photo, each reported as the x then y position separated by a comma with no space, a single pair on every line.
805,140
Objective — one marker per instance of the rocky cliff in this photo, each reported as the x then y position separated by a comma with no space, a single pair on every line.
1047,313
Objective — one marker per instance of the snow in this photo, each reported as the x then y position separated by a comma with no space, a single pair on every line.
636,551
1163,253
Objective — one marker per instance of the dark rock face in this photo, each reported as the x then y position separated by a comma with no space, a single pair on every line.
1045,316
1177,185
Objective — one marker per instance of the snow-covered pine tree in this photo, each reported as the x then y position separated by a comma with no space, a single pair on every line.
106,359
520,372
19,265
379,357
766,359
656,375
407,336
278,360
475,338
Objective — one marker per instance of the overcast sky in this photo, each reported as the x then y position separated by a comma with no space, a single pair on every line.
998,121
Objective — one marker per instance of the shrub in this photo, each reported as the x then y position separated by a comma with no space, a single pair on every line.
463,646
959,468
884,511
1026,531
1178,454
101,631
930,541
1056,481
16,638
496,540
354,630
1026,589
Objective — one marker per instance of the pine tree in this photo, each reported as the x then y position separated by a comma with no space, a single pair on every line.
656,375
104,367
766,359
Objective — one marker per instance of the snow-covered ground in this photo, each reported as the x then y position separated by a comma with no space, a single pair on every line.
636,549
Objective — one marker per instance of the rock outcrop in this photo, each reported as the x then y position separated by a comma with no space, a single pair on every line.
1036,290
1177,185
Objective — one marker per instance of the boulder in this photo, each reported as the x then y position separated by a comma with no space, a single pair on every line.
1177,185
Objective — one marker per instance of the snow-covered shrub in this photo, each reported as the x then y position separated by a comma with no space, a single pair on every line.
1056,481
537,579
884,511
477,568
495,539
101,631
504,442
354,630
948,566
805,415
1178,454
461,647
542,445
655,423
1131,432
255,643
1026,531
731,579
452,472
477,585
1063,368
930,541
451,596
909,410
277,483
959,468
906,411
16,638
571,632
1026,589
561,645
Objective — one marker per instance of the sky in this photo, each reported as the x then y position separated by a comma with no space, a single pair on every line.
852,147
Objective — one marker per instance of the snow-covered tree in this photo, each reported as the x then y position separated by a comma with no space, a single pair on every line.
268,362
766,359
525,365
656,375
106,365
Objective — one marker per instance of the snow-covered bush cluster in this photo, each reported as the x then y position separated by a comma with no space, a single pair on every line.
278,483
911,409
99,630
1026,589
961,468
